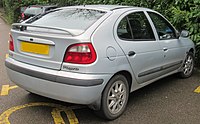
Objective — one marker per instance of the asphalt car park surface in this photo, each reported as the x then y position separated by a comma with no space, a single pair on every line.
167,101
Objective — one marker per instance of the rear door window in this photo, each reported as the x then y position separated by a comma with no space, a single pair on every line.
140,27
69,18
135,26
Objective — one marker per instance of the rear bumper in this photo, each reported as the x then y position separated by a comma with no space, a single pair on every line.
60,85
53,77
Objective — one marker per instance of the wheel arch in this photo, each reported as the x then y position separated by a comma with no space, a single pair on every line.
127,75
191,50
98,104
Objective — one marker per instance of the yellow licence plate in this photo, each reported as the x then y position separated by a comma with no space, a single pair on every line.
35,48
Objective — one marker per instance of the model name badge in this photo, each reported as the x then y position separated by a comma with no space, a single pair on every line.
70,68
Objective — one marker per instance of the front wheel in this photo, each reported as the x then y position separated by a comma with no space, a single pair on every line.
114,98
188,66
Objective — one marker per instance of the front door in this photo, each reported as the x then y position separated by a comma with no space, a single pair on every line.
172,48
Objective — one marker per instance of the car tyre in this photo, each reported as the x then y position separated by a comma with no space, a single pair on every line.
188,66
114,98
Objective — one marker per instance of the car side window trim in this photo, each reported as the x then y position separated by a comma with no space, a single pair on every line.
152,25
129,25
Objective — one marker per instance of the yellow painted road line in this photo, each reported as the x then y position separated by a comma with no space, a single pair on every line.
7,56
6,88
197,90
56,114
4,117
71,116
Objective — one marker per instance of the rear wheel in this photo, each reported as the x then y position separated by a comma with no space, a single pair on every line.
188,66
114,98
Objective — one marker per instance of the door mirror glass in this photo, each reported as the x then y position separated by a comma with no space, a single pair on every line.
184,33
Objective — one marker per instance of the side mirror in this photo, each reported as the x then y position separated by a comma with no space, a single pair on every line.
184,33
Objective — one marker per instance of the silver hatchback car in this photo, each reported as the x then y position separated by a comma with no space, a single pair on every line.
96,54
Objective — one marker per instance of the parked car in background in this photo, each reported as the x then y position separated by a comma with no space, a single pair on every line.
22,9
96,54
33,10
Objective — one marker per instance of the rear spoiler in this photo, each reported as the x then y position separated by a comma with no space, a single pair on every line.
23,27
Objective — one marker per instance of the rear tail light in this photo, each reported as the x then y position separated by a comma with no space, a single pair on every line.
11,43
82,53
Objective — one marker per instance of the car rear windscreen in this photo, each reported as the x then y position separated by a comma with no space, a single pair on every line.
80,19
34,10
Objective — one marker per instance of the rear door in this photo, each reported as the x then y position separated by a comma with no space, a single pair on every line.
137,39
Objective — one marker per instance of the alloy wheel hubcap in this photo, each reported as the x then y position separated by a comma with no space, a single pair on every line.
116,97
188,66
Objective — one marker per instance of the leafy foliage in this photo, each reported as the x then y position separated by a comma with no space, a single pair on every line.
12,8
186,15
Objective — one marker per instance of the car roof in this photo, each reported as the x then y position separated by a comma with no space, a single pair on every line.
108,7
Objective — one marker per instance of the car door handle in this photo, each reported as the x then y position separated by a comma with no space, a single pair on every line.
165,49
131,53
